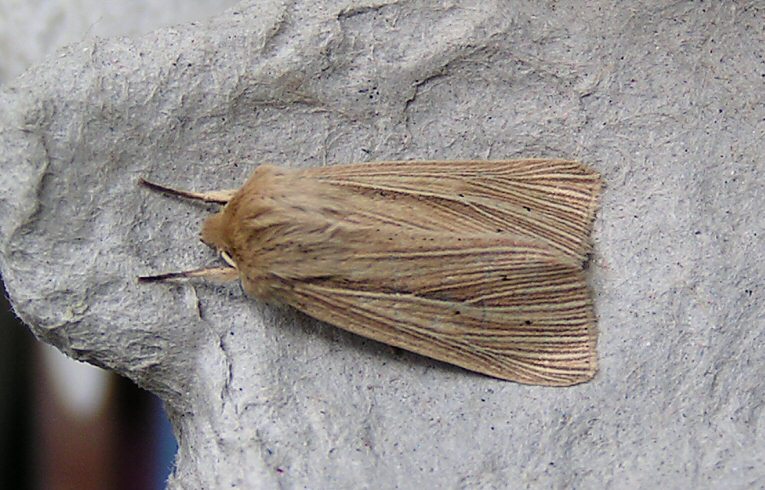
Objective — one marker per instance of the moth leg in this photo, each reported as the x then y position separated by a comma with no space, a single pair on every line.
219,197
216,274
227,258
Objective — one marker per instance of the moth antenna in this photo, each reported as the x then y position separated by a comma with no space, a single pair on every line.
218,197
217,274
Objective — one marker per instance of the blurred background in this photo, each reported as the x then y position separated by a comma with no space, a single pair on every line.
65,424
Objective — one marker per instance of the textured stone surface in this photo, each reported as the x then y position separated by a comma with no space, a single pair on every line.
666,103
33,29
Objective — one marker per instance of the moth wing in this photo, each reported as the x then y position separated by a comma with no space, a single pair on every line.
549,200
507,308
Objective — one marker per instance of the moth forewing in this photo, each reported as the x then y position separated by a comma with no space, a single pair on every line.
510,309
478,264
552,201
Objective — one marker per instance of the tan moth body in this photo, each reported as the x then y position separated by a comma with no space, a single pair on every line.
476,263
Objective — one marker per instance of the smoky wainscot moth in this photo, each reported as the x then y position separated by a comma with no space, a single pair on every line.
475,263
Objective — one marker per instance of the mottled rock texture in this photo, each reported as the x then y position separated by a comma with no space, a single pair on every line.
666,102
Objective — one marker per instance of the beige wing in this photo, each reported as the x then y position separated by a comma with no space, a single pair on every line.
552,201
508,308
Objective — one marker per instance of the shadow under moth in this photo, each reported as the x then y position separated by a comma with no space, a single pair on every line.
475,263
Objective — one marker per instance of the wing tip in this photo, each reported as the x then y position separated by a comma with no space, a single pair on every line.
557,372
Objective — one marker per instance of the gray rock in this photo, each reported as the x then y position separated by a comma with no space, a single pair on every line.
665,102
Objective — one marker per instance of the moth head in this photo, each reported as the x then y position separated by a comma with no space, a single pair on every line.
214,234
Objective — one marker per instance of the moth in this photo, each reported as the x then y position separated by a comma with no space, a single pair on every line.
475,263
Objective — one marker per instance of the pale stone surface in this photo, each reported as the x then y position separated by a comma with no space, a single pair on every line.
666,103
31,30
